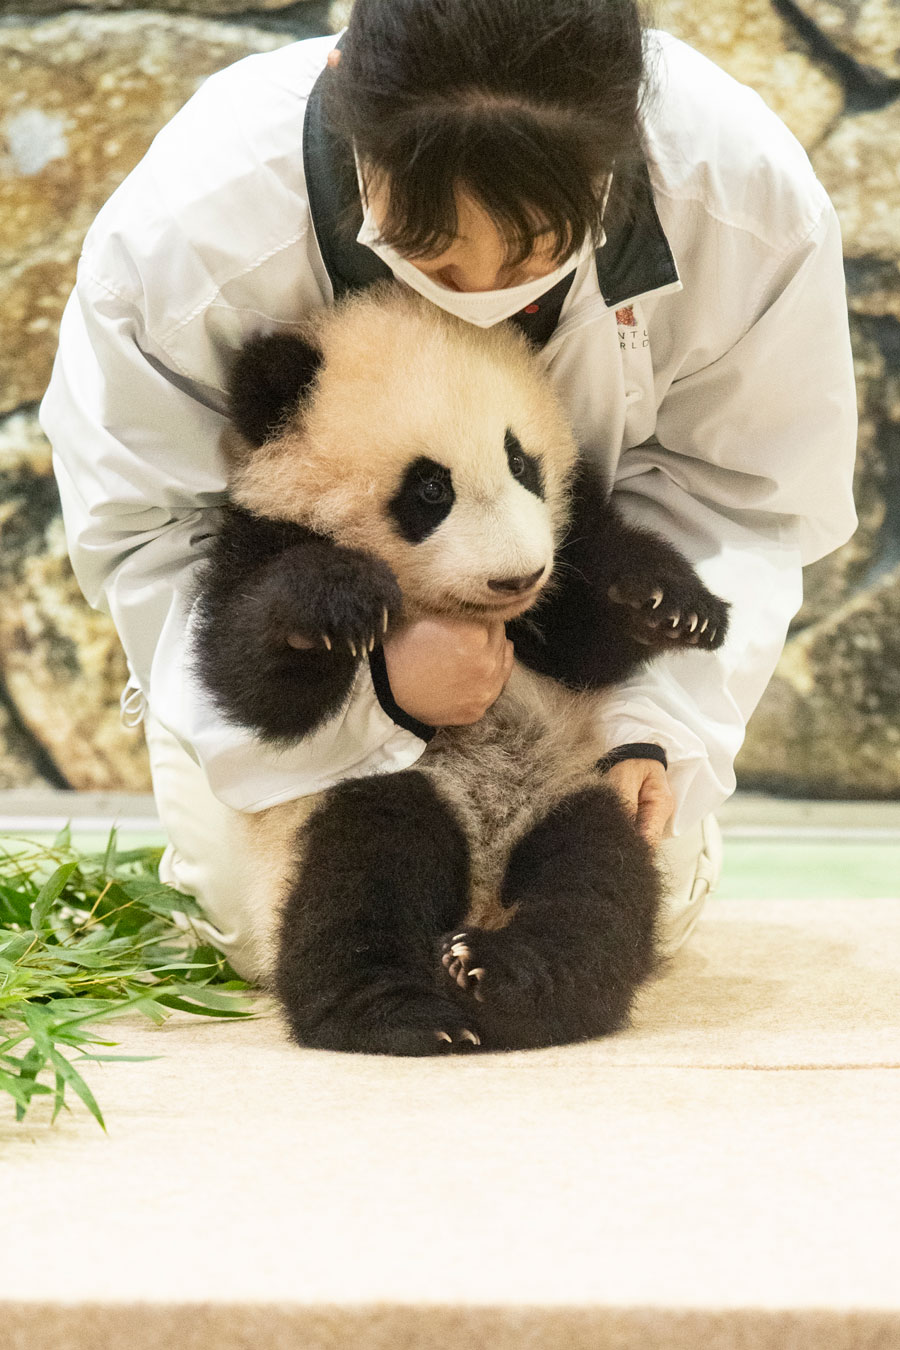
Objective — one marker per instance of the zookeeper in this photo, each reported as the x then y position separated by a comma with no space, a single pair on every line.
646,219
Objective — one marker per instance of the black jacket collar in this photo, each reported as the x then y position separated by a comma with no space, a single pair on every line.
635,259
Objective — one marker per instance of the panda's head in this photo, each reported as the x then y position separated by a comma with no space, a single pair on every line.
394,428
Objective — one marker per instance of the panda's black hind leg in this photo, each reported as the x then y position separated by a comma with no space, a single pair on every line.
385,869
582,940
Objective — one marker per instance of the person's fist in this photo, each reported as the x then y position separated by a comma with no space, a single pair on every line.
643,786
447,672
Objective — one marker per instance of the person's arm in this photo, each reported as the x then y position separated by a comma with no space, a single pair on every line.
750,475
137,457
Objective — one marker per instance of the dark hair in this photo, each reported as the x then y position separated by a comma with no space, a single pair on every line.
526,104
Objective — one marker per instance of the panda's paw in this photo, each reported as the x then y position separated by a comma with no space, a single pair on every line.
498,974
345,608
427,1024
462,966
666,615
397,1020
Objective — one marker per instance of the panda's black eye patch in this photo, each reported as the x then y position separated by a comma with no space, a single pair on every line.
423,500
523,467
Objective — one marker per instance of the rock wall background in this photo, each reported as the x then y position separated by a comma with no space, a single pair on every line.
82,93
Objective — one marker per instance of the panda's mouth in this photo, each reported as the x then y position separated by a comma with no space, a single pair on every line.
508,608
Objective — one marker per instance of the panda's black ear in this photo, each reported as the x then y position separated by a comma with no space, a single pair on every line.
269,378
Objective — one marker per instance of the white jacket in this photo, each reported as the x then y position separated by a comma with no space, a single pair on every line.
722,404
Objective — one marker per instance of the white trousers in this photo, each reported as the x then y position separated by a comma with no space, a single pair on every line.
204,859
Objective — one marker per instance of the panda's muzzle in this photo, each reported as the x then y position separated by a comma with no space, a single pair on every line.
516,585
503,597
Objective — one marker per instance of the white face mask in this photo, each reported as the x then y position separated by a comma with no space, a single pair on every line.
483,308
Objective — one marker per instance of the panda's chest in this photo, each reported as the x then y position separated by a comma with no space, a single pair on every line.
538,743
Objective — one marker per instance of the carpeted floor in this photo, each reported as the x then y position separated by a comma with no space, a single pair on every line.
726,1174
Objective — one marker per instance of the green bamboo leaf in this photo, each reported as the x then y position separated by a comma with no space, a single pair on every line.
148,854
213,996
159,897
109,856
21,1092
85,939
15,904
120,1059
64,838
30,1066
49,892
14,866
143,1002
185,965
72,956
79,1038
59,1094
77,1083
182,1005
36,1020
81,1005
31,1062
14,945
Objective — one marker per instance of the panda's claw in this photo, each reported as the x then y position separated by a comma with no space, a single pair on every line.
704,625
657,598
693,622
676,619
384,622
352,646
444,1036
467,1035
459,962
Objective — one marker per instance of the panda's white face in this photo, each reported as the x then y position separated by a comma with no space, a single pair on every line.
438,447
474,534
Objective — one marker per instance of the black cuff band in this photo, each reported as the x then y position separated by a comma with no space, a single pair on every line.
389,704
635,750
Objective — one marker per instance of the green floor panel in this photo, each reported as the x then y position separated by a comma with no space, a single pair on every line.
792,869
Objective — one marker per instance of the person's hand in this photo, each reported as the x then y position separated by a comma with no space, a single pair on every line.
447,672
644,788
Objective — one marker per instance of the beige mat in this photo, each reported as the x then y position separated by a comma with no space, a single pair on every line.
725,1174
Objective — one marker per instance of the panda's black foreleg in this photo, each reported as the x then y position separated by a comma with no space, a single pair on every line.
384,870
655,596
620,596
284,618
584,936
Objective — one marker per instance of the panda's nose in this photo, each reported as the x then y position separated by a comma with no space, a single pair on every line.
515,585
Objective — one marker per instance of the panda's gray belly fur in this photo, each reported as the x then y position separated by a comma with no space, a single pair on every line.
534,746
538,743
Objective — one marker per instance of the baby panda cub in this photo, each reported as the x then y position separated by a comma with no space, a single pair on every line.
395,462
